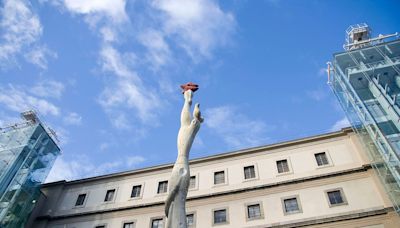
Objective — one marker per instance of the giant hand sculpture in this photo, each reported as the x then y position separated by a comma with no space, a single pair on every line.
179,182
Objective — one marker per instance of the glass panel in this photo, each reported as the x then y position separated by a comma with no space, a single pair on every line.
162,187
80,200
136,191
249,172
335,197
254,211
109,195
282,166
157,223
291,205
220,216
190,219
192,183
219,177
321,159
128,225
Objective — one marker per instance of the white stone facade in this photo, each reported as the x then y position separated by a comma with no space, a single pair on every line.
296,197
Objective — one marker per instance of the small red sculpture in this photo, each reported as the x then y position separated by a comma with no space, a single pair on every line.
189,86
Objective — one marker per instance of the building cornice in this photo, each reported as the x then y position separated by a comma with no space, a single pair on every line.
364,168
330,135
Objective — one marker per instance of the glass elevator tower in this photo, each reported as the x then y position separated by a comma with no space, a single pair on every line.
366,80
27,153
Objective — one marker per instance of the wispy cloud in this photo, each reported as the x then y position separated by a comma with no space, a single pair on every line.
21,32
198,26
318,94
236,129
73,118
342,123
18,99
48,88
81,166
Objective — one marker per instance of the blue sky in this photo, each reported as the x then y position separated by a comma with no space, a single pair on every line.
105,74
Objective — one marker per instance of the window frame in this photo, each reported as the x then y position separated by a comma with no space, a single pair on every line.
114,196
194,218
158,185
297,197
128,221
100,224
246,208
341,194
84,201
226,217
141,191
225,177
289,163
157,217
196,187
256,176
328,158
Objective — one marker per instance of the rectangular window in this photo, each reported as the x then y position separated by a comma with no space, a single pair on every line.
157,223
335,197
220,216
291,205
282,166
190,219
109,195
80,200
219,177
192,182
136,191
249,172
321,158
253,211
128,225
162,187
101,226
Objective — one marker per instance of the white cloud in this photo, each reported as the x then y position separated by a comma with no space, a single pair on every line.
81,167
39,55
236,129
48,88
133,161
158,50
73,118
342,123
127,90
21,31
16,99
114,9
198,25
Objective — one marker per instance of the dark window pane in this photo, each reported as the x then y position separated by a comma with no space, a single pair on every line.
220,216
192,183
101,226
335,197
249,172
283,166
136,191
190,219
109,195
162,187
322,159
157,223
128,225
219,177
253,211
291,205
80,200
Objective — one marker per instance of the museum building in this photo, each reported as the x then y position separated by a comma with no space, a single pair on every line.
319,181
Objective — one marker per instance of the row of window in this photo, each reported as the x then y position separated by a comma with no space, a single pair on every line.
290,205
219,179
